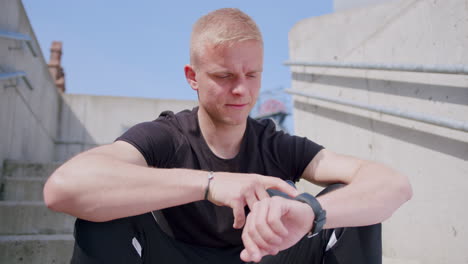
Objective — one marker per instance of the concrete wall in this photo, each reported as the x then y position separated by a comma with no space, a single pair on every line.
432,227
105,118
28,118
340,5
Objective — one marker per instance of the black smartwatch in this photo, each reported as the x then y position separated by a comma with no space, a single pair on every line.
320,214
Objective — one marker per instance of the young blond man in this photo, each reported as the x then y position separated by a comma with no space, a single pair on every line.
192,187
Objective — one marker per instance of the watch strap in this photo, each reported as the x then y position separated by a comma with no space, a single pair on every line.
320,214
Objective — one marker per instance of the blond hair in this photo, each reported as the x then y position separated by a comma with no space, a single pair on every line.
220,27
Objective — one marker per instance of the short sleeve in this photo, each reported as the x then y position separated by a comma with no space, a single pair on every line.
154,140
294,153
304,150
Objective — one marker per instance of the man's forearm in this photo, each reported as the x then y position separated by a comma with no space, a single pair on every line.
99,188
372,196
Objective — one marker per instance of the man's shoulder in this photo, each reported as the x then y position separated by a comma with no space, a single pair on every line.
264,128
167,125
169,115
261,125
174,121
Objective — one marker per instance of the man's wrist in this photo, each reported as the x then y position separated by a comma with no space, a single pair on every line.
309,216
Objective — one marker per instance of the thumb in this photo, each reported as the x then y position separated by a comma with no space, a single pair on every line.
245,256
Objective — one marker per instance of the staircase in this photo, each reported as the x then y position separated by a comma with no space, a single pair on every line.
29,231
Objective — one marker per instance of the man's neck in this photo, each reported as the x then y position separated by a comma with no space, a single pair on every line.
224,140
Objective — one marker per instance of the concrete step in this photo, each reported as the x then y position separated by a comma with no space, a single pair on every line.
26,169
32,217
36,249
22,189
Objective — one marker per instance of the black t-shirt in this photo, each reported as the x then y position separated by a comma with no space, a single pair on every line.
175,141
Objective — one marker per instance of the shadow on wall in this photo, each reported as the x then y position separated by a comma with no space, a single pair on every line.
436,143
441,93
72,136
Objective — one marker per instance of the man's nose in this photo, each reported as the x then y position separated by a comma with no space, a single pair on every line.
240,87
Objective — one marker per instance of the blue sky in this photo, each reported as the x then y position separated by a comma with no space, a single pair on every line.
139,48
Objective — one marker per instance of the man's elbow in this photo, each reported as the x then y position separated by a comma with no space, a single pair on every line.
51,197
55,194
59,196
404,189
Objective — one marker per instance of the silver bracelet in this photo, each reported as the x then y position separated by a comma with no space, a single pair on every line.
210,177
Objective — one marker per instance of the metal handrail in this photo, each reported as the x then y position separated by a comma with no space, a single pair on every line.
19,36
444,122
446,69
11,75
14,75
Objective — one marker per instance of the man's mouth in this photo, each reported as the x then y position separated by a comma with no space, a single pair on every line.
236,105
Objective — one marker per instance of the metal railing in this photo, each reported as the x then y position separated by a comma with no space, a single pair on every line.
15,75
446,69
27,104
18,36
443,122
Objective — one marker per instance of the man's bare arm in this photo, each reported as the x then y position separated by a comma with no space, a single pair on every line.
114,181
372,194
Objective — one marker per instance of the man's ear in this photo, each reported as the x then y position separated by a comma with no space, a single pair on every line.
191,77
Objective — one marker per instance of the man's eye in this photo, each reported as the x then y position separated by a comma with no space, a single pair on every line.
223,76
251,75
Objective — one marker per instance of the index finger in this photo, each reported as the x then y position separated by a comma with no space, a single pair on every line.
239,215
280,185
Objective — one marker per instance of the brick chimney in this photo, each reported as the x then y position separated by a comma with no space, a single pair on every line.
55,68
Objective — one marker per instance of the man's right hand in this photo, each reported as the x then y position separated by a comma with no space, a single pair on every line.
237,190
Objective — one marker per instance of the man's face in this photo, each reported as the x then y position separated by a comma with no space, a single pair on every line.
228,80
